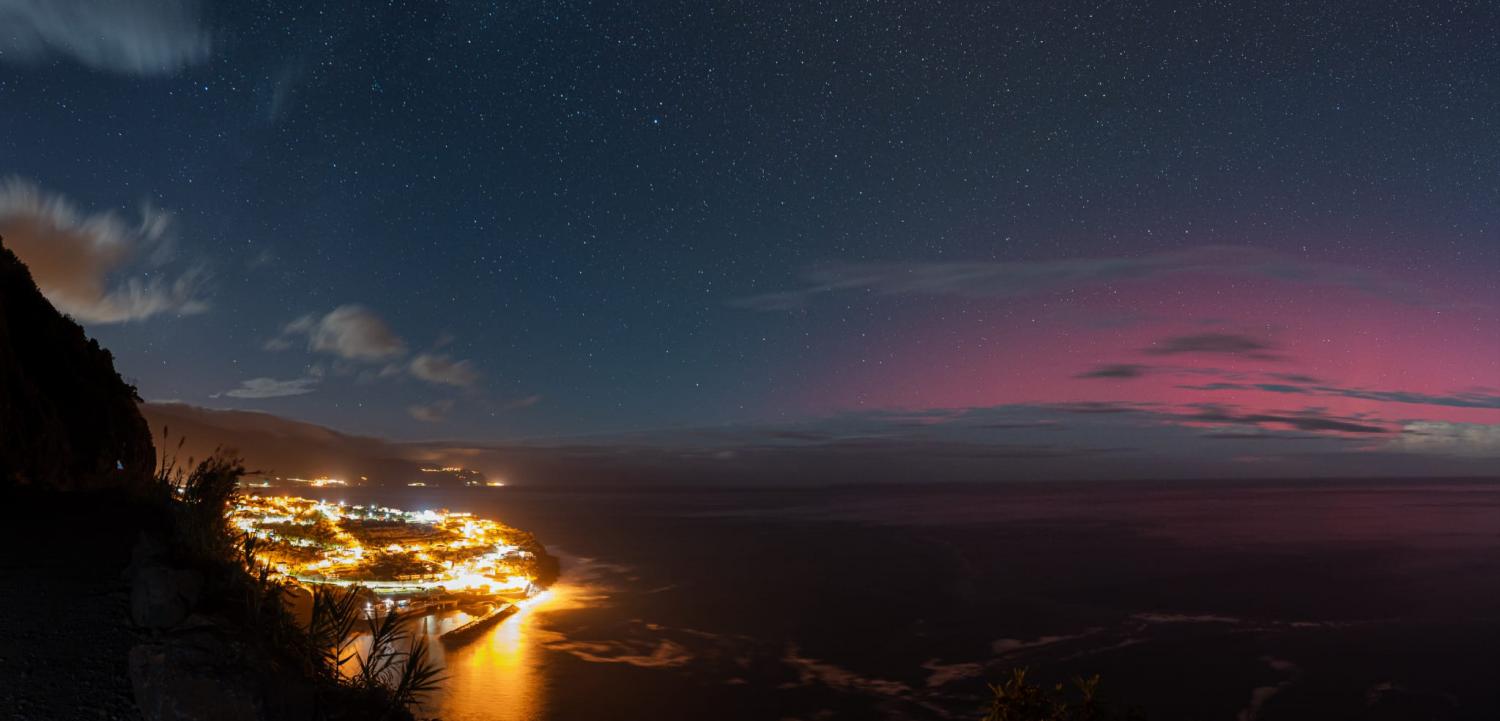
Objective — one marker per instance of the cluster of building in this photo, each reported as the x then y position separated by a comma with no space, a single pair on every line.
389,550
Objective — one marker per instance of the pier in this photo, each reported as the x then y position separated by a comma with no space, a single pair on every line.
478,625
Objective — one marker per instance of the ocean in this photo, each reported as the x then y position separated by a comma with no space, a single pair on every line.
1192,601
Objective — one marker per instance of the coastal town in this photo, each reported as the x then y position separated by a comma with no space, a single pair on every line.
425,557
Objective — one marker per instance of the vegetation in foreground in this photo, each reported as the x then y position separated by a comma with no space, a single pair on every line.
383,682
1017,699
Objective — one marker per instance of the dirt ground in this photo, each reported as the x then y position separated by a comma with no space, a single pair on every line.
64,607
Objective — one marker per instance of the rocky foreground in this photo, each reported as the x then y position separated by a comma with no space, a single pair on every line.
117,600
65,601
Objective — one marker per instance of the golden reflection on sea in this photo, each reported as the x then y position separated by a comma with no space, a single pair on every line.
499,675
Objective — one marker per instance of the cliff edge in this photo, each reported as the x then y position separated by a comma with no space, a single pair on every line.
68,421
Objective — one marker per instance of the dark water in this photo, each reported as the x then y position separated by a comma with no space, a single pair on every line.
1193,601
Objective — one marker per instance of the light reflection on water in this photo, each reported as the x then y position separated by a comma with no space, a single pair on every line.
499,675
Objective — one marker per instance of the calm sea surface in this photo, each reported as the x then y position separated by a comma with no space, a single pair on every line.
1193,601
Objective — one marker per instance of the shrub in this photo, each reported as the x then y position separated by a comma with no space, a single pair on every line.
1016,699
388,679
396,668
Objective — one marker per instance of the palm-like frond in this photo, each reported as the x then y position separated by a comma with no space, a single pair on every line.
332,629
419,676
387,636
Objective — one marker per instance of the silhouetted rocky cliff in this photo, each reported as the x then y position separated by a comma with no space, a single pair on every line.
67,419
135,594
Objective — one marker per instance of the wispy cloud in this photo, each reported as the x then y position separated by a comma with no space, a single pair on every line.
523,402
442,370
1224,344
1008,280
132,37
369,350
435,412
1468,399
1306,420
271,388
1453,400
98,268
352,332
1117,371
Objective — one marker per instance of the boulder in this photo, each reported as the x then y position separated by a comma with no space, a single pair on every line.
194,675
70,421
162,596
148,549
202,672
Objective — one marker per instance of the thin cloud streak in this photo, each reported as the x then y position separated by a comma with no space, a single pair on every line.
1117,371
1472,399
435,412
442,370
1009,280
257,388
128,37
1226,344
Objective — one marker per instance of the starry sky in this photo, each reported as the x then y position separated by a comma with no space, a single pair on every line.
1261,234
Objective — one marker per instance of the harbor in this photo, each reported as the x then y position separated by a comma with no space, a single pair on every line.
475,627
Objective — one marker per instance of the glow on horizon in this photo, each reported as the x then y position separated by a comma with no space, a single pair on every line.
1361,350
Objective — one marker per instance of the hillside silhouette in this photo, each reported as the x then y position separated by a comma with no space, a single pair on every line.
279,446
70,421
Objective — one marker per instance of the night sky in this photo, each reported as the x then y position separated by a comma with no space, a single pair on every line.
1255,232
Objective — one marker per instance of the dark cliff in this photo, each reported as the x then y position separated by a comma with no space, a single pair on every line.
67,419
103,542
